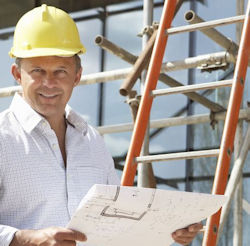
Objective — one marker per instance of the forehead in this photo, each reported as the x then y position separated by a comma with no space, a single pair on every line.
49,61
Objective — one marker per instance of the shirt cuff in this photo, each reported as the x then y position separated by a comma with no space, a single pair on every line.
6,234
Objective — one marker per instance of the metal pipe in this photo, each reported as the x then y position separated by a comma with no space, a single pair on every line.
192,18
133,102
190,108
145,174
10,91
239,10
235,176
231,120
115,49
205,60
106,76
191,62
118,74
174,121
101,86
208,59
237,147
205,25
140,64
178,6
143,61
238,211
238,197
202,61
146,102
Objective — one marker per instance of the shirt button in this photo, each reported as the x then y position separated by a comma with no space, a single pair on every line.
54,146
44,125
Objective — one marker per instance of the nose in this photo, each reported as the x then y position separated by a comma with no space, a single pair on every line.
49,81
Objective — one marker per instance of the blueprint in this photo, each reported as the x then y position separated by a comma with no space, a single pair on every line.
112,215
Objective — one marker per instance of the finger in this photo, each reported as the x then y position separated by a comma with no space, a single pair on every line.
67,243
67,234
195,227
184,236
184,233
182,240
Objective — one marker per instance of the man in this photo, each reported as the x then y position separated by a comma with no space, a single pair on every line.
50,156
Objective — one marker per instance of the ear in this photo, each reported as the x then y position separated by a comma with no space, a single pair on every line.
16,73
78,77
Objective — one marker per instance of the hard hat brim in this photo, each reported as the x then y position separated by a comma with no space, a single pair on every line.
45,52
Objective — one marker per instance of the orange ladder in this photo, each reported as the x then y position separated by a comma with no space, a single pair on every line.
226,148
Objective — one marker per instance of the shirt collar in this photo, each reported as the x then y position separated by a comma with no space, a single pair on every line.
30,119
76,120
27,117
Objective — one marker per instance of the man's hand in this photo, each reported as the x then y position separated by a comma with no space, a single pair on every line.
186,235
52,236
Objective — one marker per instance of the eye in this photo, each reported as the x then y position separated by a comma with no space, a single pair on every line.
60,72
37,70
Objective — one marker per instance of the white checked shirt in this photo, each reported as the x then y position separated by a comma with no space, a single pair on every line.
36,190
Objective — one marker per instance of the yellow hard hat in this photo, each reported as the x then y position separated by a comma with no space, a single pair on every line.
46,31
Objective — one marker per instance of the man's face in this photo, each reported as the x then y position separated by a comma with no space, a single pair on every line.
47,83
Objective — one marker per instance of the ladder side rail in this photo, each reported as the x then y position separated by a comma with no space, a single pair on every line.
146,102
231,120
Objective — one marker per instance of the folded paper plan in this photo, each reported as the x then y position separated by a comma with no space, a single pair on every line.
119,215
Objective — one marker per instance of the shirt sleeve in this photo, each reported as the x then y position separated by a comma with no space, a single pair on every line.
6,234
112,176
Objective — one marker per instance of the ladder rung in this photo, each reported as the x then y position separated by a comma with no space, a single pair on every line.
205,25
192,88
178,156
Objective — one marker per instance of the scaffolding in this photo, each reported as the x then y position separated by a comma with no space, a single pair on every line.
206,62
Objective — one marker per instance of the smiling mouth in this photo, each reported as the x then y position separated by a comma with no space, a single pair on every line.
48,95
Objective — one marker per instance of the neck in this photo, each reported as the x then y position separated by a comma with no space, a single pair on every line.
59,126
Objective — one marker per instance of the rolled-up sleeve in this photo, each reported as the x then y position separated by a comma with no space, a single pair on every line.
6,234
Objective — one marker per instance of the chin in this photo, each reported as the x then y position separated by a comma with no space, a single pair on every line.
48,113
